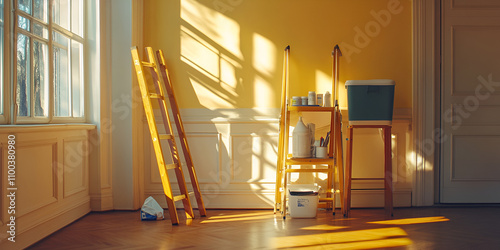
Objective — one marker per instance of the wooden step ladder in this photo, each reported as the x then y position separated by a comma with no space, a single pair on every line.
163,92
334,162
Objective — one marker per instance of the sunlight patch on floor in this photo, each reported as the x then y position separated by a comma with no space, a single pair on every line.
410,221
239,217
359,239
323,227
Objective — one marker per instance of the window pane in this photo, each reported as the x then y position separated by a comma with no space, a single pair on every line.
60,39
40,77
76,78
23,23
61,82
77,17
40,9
40,30
25,5
60,13
23,75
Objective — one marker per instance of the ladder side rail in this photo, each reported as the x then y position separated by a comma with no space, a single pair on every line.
168,128
167,84
335,82
336,139
286,134
148,108
282,130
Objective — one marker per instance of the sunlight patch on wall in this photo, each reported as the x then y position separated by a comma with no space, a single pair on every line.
228,73
199,54
210,97
323,82
263,93
216,26
217,71
257,158
253,159
264,55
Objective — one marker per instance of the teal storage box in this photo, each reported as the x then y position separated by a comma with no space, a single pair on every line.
370,102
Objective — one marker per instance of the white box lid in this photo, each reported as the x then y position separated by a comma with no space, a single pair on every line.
303,189
370,82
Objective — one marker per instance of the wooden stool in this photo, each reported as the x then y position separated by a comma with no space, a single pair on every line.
387,168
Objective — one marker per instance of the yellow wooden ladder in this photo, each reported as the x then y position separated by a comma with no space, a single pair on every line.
163,92
285,160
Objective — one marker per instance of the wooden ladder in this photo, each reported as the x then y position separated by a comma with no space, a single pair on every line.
163,92
285,160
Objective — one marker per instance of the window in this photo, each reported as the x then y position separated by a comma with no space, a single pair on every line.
1,58
49,58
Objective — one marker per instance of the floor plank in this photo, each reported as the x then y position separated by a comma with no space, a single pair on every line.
410,228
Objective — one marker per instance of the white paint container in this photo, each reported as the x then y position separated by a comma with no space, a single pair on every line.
301,147
311,98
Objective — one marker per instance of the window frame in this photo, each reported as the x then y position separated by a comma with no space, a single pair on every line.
6,94
51,27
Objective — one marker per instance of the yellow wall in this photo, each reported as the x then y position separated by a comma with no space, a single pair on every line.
228,53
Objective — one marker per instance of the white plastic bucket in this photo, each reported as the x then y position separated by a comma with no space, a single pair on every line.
303,200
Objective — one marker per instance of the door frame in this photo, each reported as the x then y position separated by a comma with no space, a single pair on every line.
426,102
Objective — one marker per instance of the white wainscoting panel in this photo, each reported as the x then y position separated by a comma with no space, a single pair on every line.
235,155
37,181
253,158
51,177
75,173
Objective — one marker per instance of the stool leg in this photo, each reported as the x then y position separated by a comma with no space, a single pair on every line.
340,162
388,170
348,174
332,186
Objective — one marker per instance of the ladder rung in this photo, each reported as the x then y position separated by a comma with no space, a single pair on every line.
171,166
330,191
179,197
325,199
148,64
166,137
309,170
156,96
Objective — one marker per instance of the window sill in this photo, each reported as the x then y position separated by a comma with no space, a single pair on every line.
45,127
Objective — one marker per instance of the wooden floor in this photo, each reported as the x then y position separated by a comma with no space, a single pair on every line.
410,228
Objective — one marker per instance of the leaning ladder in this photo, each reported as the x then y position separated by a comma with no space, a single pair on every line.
163,92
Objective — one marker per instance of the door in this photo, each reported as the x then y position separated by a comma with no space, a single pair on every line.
470,101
